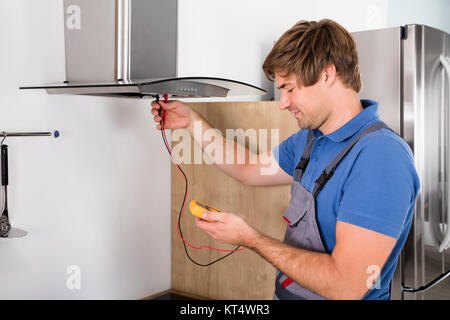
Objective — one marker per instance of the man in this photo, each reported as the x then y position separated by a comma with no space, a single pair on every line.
353,180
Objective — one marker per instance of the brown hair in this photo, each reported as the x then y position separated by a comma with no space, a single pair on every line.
310,46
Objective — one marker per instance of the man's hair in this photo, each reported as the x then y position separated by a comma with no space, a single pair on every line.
310,46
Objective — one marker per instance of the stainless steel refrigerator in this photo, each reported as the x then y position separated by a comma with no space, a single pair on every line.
407,70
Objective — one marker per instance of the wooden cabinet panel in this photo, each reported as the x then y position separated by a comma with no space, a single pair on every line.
243,275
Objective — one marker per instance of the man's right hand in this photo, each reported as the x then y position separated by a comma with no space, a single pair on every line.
177,114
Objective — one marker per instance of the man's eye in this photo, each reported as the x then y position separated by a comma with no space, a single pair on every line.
291,90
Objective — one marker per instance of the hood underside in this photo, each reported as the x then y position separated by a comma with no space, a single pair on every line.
187,87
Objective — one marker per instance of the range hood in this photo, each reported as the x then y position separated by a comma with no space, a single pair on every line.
128,48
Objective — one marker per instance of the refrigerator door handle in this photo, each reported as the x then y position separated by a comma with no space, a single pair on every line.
446,241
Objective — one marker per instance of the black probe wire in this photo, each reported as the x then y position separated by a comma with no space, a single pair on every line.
182,205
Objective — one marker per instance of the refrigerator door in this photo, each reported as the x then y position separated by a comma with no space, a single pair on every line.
446,98
401,69
426,98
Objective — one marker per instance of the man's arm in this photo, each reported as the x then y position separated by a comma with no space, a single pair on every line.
257,170
343,274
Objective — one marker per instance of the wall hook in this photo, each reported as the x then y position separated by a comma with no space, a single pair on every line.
4,137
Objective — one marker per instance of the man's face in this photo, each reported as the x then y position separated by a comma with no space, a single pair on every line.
307,104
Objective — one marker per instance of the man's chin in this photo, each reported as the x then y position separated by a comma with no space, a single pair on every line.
305,126
302,125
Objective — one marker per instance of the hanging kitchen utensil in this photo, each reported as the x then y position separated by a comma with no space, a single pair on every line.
6,231
5,226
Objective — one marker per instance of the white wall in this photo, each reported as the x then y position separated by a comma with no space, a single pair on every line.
435,13
97,197
232,38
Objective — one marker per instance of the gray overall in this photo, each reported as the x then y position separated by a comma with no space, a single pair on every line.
302,230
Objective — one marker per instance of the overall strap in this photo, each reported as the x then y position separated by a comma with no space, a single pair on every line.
329,170
303,163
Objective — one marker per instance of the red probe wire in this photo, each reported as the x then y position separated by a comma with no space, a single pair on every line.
185,197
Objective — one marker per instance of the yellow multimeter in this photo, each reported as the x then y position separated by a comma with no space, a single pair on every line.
197,208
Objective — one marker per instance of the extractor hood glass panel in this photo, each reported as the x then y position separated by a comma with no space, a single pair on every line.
180,87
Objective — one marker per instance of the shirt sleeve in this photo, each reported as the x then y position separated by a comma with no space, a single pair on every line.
286,152
381,188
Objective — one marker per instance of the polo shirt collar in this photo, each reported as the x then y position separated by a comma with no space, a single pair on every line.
368,114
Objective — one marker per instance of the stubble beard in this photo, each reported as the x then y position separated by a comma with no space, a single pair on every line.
308,123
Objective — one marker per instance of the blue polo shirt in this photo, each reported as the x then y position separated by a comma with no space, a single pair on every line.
374,187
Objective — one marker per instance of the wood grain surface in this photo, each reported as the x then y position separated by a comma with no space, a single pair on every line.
243,275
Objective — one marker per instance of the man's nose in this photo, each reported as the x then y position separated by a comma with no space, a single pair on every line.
285,102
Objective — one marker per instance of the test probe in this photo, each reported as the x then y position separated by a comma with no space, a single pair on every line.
197,206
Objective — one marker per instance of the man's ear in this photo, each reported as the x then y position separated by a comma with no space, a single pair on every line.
329,75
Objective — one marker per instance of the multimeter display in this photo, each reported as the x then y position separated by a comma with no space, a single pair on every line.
197,208
208,208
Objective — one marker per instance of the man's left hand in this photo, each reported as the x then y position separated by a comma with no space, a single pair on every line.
227,227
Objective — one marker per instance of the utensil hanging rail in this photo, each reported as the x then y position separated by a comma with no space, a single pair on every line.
29,134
